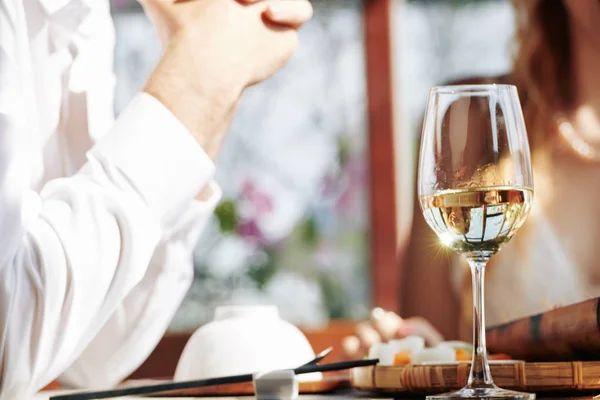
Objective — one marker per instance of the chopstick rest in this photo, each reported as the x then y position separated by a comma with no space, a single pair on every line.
276,385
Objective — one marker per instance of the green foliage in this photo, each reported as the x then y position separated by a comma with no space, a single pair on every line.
262,273
309,232
334,296
343,151
227,215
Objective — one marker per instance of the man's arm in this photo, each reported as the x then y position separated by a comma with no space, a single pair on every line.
140,321
72,254
202,88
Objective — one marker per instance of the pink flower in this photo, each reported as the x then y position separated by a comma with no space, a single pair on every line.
249,229
256,204
346,186
259,200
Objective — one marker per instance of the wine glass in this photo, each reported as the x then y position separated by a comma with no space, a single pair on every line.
475,189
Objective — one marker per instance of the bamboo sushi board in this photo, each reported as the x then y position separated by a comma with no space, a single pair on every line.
533,377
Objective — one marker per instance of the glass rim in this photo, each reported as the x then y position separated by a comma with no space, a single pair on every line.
472,88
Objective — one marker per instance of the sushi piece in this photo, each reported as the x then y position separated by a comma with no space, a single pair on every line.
463,351
386,354
411,344
402,358
396,351
412,350
374,351
462,355
439,354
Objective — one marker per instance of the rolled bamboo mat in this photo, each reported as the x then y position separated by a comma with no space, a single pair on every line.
534,377
562,334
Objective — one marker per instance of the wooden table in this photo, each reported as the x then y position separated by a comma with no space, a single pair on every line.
345,394
335,396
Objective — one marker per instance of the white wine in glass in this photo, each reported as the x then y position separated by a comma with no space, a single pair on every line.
476,190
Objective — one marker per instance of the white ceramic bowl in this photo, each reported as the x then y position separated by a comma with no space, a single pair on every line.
244,340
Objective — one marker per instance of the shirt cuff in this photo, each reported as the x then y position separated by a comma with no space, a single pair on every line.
186,225
157,154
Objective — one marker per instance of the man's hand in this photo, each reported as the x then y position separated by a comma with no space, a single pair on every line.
291,13
166,19
213,50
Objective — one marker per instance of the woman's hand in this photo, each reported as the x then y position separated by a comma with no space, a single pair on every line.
385,326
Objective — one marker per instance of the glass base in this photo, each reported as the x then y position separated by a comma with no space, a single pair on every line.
484,393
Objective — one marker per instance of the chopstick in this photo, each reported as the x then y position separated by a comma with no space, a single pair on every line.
167,387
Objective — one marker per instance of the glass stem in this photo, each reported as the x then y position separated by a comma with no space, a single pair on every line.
480,376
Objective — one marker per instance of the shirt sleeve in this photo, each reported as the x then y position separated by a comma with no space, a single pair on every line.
71,255
141,320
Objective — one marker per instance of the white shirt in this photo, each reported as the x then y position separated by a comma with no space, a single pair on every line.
97,216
